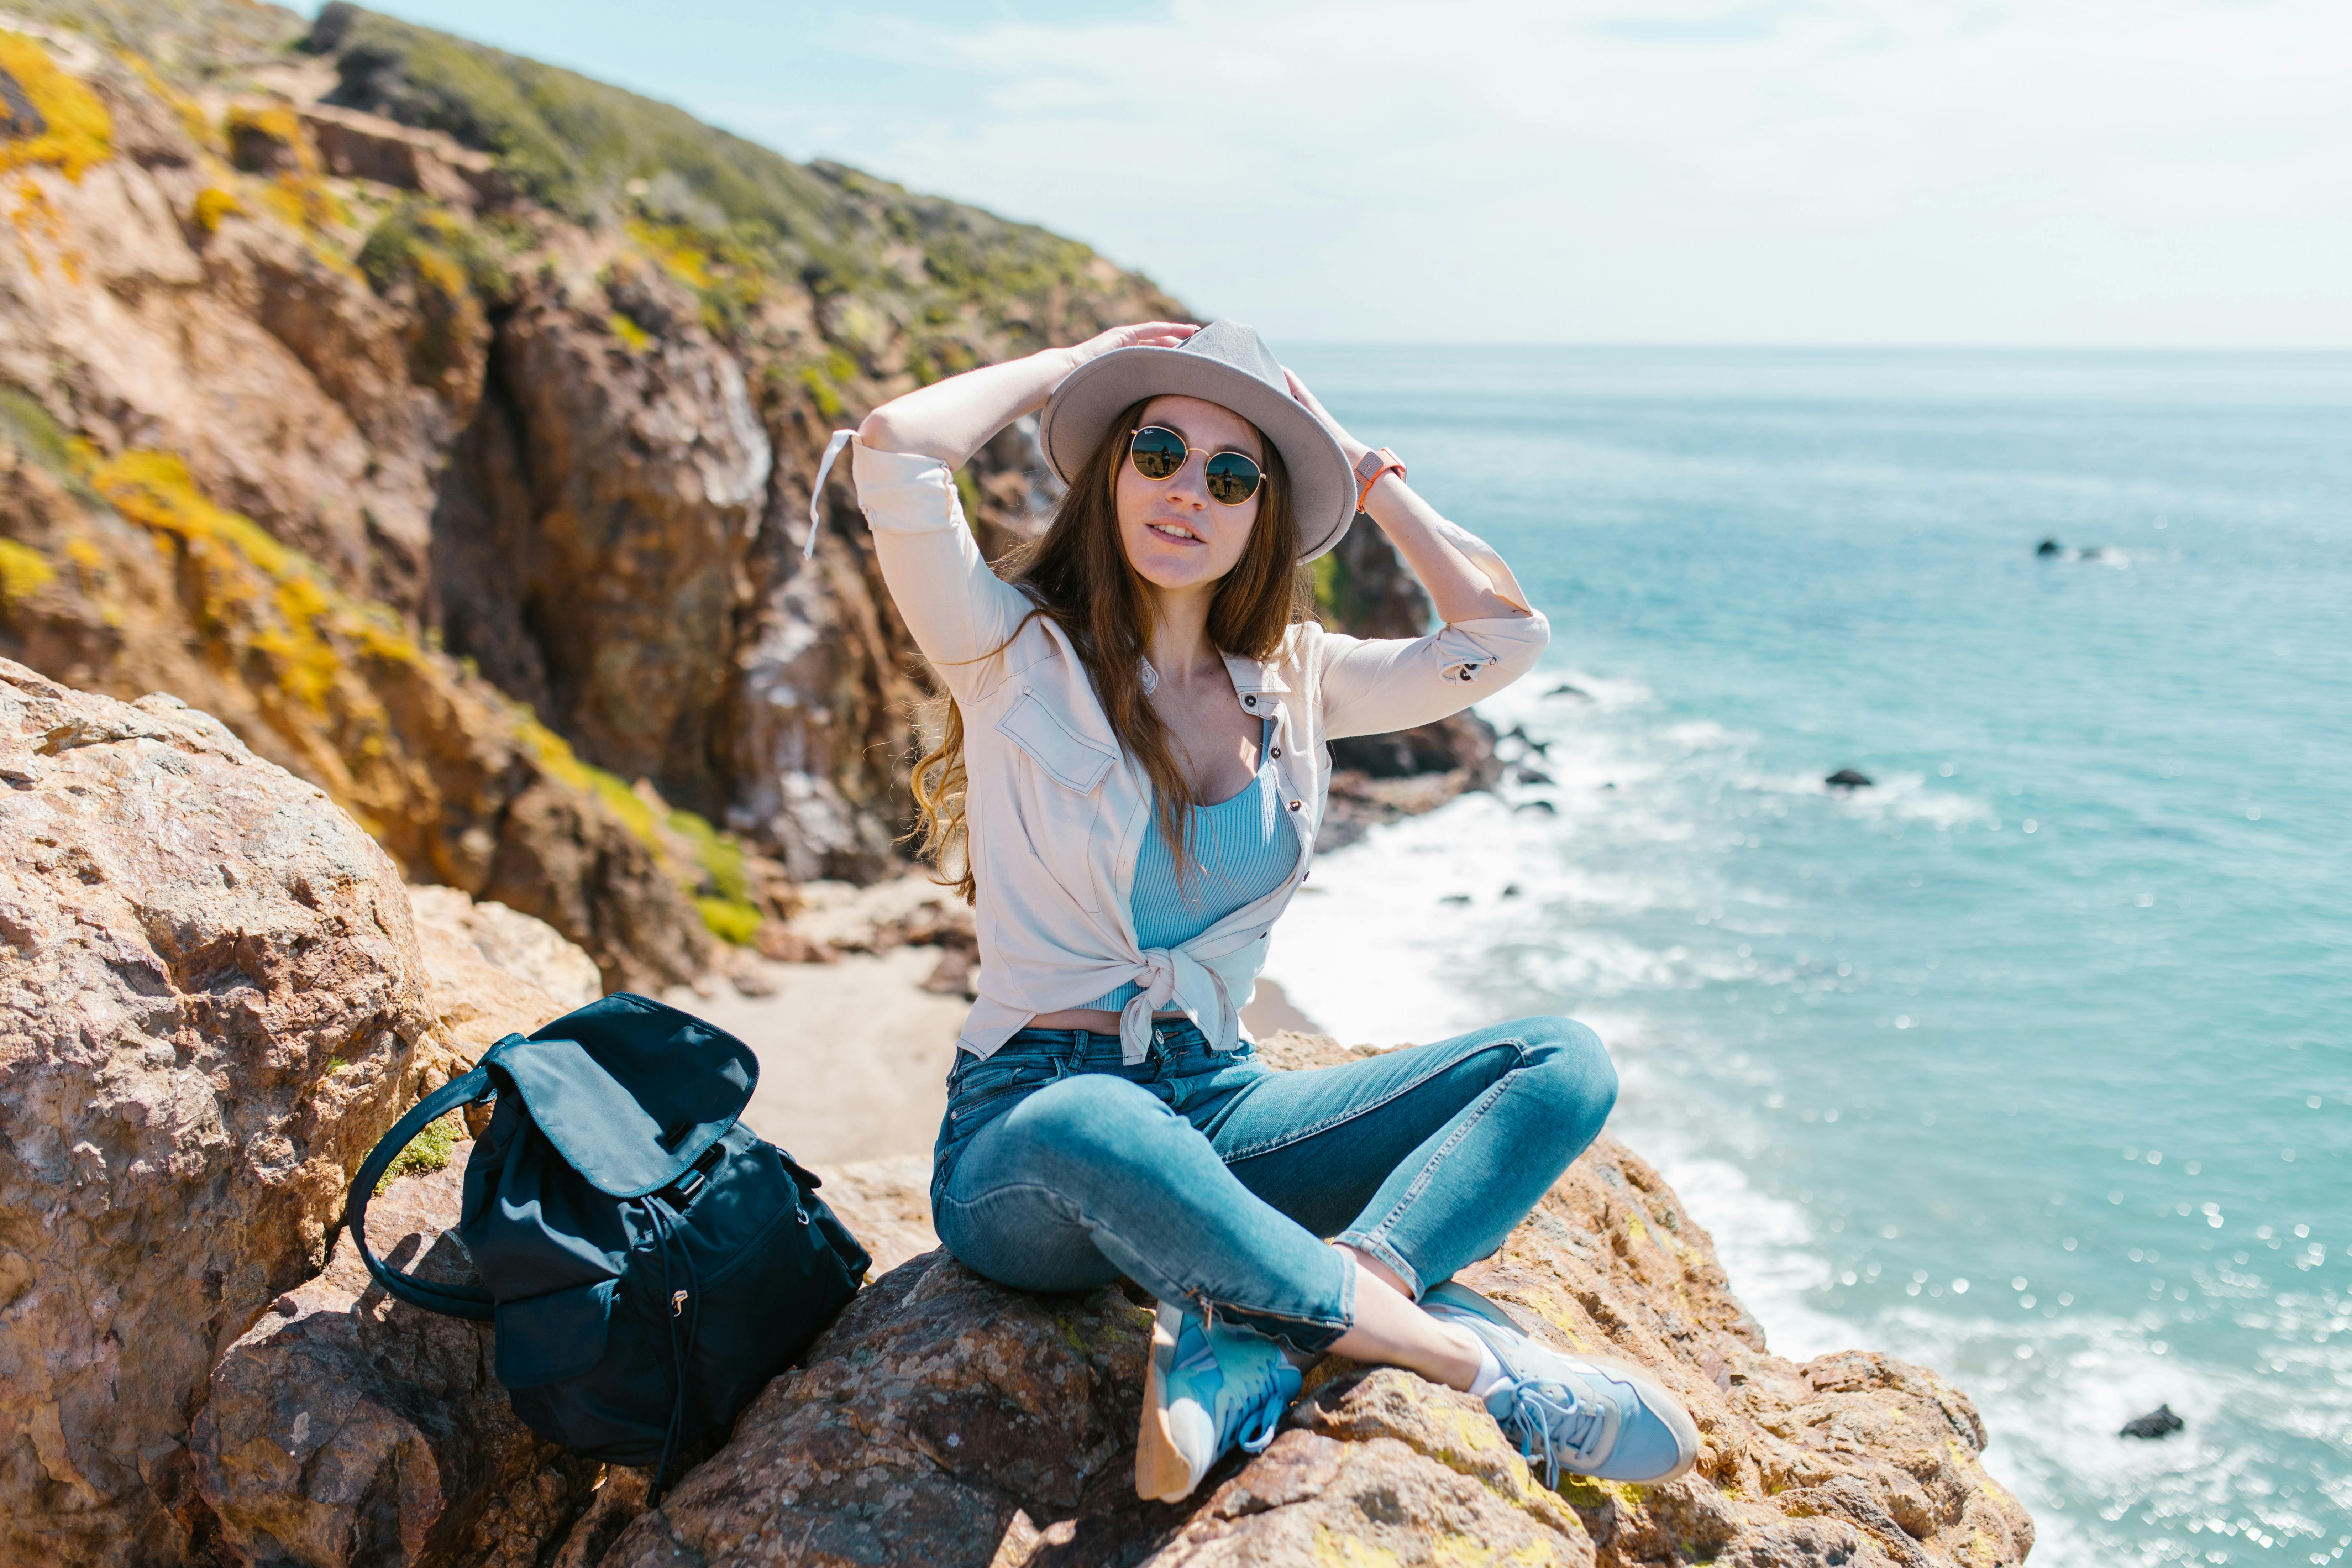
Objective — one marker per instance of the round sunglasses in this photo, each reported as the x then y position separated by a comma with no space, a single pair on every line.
1159,452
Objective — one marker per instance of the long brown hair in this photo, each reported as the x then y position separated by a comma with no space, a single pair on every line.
1078,573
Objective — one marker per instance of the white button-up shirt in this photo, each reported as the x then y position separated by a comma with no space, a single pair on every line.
1055,812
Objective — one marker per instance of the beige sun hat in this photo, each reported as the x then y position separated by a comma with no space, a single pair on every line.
1226,364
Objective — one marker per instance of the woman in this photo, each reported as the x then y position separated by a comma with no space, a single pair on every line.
1130,776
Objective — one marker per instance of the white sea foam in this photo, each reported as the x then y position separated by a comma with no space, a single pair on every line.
2055,1394
1408,936
1379,957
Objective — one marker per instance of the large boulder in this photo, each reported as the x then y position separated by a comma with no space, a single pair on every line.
346,1428
349,1430
211,1004
945,1420
491,970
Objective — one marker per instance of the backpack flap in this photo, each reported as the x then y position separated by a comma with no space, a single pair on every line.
555,1337
630,1092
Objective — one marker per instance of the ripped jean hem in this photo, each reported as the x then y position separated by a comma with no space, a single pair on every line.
1378,1246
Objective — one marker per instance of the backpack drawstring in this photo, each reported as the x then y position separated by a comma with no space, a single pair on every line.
677,1303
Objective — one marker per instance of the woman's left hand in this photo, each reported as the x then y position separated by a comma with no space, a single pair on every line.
1347,444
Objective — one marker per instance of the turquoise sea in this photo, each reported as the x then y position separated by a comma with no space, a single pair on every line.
2033,1061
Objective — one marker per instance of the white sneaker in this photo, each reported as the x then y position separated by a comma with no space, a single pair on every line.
1209,1389
1604,1418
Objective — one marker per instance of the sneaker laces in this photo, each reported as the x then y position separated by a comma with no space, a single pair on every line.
1266,1406
1259,1398
1548,1416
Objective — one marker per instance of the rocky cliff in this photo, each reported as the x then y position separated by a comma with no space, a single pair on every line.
443,422
457,469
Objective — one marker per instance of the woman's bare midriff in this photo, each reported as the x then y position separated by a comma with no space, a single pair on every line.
1096,1020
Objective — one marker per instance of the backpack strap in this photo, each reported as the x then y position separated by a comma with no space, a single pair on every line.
449,1300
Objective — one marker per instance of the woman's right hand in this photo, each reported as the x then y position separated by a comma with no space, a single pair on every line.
953,418
1139,335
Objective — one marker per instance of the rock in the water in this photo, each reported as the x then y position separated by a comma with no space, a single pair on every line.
945,1420
2047,547
1565,689
1848,778
1381,778
211,1004
2159,1421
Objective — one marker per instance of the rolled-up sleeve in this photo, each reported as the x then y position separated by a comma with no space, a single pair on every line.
959,609
1373,686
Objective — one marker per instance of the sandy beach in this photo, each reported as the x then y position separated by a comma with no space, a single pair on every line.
854,1055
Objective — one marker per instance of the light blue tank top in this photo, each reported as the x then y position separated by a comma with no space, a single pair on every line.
1245,849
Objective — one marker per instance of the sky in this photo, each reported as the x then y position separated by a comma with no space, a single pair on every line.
2144,173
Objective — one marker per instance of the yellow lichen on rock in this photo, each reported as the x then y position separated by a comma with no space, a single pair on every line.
305,202
154,489
673,247
634,338
260,604
1350,1552
726,276
24,572
212,204
74,130
707,864
192,118
267,140
266,136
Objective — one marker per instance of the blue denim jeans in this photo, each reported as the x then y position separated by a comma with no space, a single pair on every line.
1211,1179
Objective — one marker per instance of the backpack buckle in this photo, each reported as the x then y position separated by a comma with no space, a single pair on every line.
680,1193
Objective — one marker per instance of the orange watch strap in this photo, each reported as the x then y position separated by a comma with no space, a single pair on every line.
1387,460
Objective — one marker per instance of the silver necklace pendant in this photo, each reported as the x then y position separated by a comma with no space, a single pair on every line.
1151,678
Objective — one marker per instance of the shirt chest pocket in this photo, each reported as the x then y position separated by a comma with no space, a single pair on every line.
1072,762
1058,797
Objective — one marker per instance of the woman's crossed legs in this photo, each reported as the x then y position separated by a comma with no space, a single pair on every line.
1212,1185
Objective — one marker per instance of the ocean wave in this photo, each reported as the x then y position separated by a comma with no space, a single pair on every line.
1628,912
1902,795
2056,1390
2056,1393
1691,735
1540,693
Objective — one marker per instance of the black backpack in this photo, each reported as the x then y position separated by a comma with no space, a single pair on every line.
650,1264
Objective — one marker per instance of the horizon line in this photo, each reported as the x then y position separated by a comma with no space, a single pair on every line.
1654,345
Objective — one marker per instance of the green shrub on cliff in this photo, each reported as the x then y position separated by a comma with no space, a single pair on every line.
434,247
716,874
725,272
572,142
590,150
428,1152
454,268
